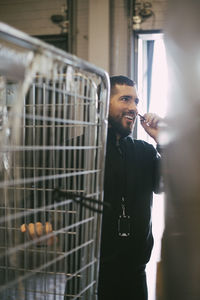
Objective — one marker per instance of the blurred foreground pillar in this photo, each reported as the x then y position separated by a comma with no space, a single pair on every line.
180,266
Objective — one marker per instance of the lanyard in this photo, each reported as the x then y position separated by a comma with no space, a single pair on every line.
124,228
124,224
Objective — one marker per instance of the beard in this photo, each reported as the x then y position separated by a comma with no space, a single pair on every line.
116,124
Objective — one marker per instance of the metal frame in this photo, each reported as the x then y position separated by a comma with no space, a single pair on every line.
53,113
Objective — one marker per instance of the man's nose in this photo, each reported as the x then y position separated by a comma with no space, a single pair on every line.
133,107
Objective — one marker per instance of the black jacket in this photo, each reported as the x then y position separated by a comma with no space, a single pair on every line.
132,172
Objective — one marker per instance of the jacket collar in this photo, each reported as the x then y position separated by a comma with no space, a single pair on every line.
112,137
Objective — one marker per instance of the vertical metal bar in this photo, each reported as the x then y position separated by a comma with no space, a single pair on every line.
24,121
44,173
75,266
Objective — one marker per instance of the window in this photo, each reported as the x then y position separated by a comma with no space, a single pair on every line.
151,76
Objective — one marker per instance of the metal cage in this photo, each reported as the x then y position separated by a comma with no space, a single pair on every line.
53,120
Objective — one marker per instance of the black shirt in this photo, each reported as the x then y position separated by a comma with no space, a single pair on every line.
131,172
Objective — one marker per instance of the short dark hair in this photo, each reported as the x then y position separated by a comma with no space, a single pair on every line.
121,80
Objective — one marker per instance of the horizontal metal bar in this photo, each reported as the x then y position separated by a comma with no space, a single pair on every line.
31,211
42,178
63,91
45,169
46,265
48,148
55,120
84,290
71,275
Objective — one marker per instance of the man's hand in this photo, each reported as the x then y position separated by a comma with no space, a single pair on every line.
36,230
150,124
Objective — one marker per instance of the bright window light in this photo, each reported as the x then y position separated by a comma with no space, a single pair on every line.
158,105
159,86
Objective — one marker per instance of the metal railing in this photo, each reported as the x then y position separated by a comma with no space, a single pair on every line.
53,121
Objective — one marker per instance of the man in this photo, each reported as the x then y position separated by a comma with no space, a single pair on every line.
131,176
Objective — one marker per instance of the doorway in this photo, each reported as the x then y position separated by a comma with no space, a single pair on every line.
151,76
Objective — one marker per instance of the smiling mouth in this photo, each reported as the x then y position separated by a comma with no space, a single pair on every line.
131,118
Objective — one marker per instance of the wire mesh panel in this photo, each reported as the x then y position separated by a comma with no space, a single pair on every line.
53,111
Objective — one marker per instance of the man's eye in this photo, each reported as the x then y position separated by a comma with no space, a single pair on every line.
136,101
125,98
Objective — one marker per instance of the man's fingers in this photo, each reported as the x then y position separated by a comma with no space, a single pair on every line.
28,229
33,229
151,120
36,230
48,227
23,228
39,229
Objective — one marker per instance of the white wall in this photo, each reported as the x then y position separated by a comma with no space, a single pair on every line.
98,39
120,54
31,16
82,29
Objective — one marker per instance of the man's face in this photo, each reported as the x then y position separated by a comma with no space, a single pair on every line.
123,109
